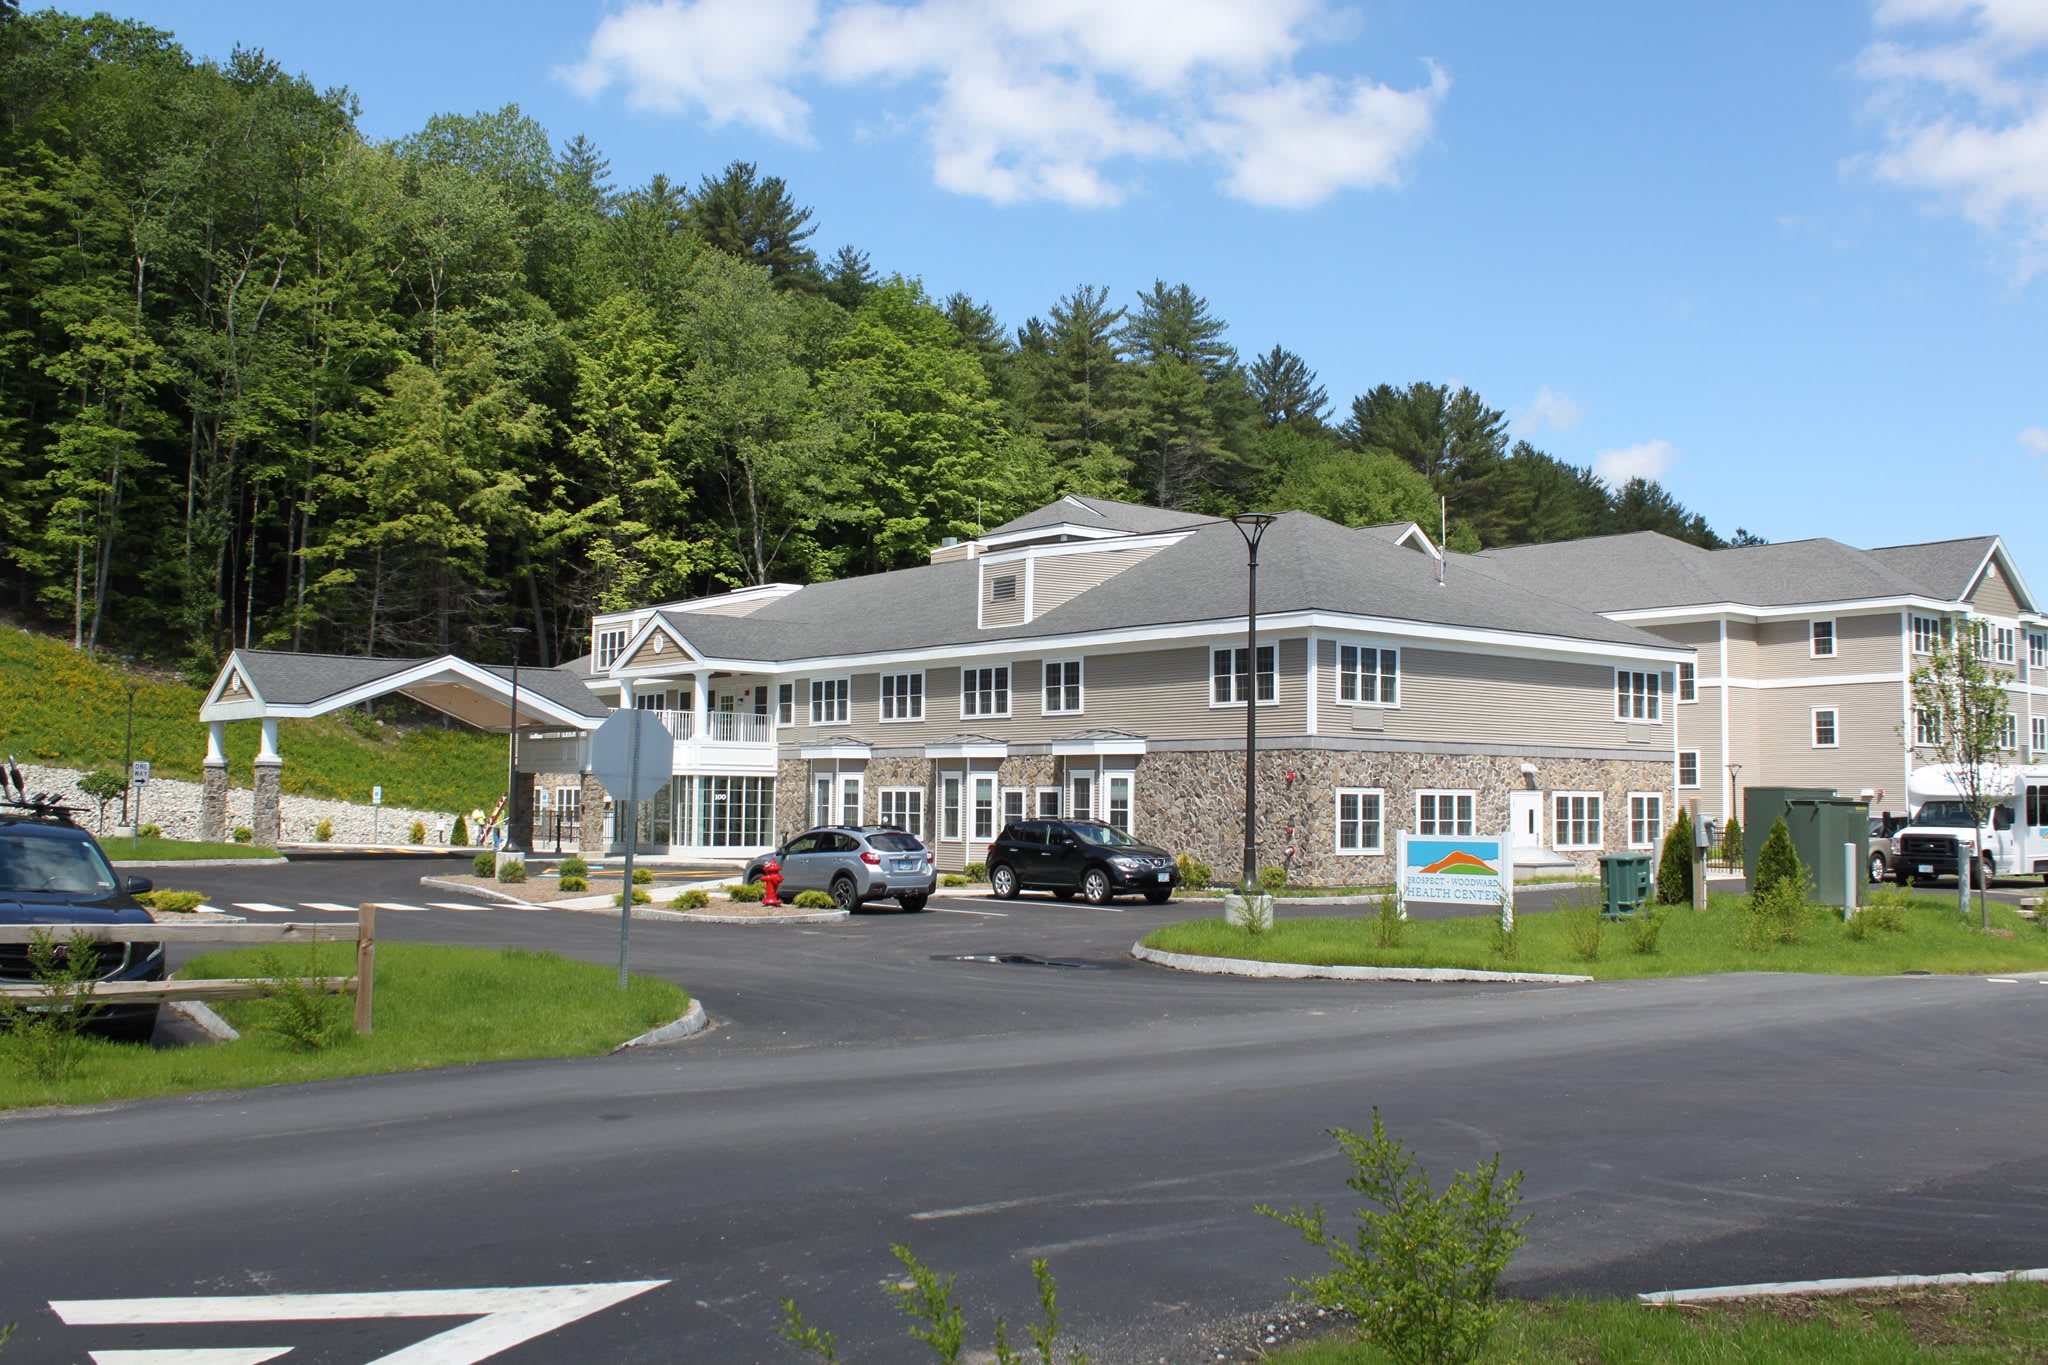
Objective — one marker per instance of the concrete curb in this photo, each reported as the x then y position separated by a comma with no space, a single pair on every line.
1297,971
487,892
199,862
808,917
1780,1288
694,1020
1215,896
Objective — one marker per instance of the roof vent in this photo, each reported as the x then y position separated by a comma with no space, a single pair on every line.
947,542
1004,589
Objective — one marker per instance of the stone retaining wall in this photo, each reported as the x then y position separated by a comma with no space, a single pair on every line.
175,806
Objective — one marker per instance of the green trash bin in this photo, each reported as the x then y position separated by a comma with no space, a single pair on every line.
1624,882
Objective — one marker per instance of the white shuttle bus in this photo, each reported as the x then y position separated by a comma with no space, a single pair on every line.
2012,843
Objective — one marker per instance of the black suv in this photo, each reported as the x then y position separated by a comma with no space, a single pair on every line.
1086,856
52,872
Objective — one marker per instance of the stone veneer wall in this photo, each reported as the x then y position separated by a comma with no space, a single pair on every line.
1193,802
175,806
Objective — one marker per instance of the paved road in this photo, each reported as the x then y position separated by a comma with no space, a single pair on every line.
1121,1122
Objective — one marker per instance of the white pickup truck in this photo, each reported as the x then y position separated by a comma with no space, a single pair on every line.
1942,835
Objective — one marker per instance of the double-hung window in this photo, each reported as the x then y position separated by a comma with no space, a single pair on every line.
1116,790
1227,681
1688,767
611,642
1638,695
2037,649
1825,734
1823,639
903,807
1980,635
2005,647
831,701
1443,813
1926,726
1645,819
1368,675
785,704
2009,733
1926,634
949,806
1062,686
984,808
903,696
2041,742
1575,820
985,691
1358,821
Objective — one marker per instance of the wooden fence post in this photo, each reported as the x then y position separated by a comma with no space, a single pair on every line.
366,965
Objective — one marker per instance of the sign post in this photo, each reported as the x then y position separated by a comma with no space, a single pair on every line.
138,777
376,804
631,756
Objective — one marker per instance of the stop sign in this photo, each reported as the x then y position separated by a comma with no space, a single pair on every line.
631,754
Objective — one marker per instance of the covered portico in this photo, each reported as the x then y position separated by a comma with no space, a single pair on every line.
268,686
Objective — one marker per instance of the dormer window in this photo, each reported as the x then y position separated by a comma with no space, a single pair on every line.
610,644
1004,589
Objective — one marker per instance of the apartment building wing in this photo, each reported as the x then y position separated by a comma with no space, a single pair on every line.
1805,650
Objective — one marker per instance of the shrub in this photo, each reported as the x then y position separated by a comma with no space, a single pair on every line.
1674,867
243,834
168,902
1503,942
974,873
927,1299
1778,861
103,786
1387,922
323,833
748,893
485,864
42,1036
156,831
571,882
512,872
952,879
573,867
1774,914
812,900
459,837
1731,843
696,898
643,876
1886,910
1583,925
1272,877
1643,928
639,897
1249,911
1418,1276
418,833
300,1016
1194,873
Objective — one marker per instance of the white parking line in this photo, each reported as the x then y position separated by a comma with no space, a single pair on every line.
333,907
400,905
2002,981
457,905
263,907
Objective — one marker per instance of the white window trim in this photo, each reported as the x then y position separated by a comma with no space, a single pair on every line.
1630,832
1210,681
1653,696
1441,792
1038,795
975,782
1599,825
2040,737
1130,781
816,683
1009,692
882,795
858,783
1080,687
1094,780
604,637
1913,620
1694,784
1926,728
1337,678
2037,649
952,780
1377,849
2009,725
1834,714
785,710
1834,638
881,698
1003,795
1679,677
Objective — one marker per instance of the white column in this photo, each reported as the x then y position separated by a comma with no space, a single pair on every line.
625,694
267,753
217,743
700,705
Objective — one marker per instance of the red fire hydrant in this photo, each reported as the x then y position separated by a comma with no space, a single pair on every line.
771,877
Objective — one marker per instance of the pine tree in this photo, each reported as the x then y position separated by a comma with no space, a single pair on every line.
1287,393
1674,868
1778,861
1731,843
753,218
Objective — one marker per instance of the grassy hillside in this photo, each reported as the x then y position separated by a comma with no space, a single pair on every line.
58,707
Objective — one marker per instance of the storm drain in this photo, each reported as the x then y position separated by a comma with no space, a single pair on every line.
1026,960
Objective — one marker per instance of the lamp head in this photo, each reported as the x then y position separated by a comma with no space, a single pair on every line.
1252,525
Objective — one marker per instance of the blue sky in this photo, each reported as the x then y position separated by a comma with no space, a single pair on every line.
1786,258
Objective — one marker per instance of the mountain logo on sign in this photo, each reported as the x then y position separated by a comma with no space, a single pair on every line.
1463,864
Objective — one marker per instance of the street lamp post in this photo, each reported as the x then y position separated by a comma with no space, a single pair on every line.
1252,526
128,756
512,740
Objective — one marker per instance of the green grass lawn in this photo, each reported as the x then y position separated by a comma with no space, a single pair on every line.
177,850
1975,1324
1935,939
58,707
434,1007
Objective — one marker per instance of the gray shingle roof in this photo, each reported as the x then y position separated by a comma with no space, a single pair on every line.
1104,515
286,679
1946,567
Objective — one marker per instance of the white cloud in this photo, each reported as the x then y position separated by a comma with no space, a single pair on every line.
1548,410
1037,99
1646,461
1961,95
2035,439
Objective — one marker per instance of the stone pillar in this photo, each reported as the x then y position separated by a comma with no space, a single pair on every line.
213,792
519,816
590,837
264,818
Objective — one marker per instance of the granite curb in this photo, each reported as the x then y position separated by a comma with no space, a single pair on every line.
694,1021
199,862
1298,971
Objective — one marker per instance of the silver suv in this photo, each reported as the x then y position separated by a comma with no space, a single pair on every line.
855,864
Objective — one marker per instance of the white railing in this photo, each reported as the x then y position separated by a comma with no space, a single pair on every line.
724,727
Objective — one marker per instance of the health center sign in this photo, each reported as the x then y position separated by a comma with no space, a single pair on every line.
1460,871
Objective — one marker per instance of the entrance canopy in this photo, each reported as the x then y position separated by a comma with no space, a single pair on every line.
269,685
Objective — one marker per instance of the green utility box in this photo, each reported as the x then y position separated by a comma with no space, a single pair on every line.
1624,882
1820,822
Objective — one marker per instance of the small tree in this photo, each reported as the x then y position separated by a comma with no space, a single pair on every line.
460,838
1778,861
1674,868
103,786
1731,843
1963,704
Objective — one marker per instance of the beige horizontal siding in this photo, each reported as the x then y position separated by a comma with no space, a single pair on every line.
1869,751
1868,643
1703,636
670,655
1994,596
1059,579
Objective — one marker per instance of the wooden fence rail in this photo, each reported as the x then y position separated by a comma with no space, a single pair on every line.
362,985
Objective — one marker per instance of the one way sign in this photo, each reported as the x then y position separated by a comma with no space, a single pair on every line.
502,1319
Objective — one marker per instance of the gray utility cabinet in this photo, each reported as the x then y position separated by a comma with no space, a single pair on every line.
1820,822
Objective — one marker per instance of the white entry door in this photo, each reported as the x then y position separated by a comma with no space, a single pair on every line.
1525,820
